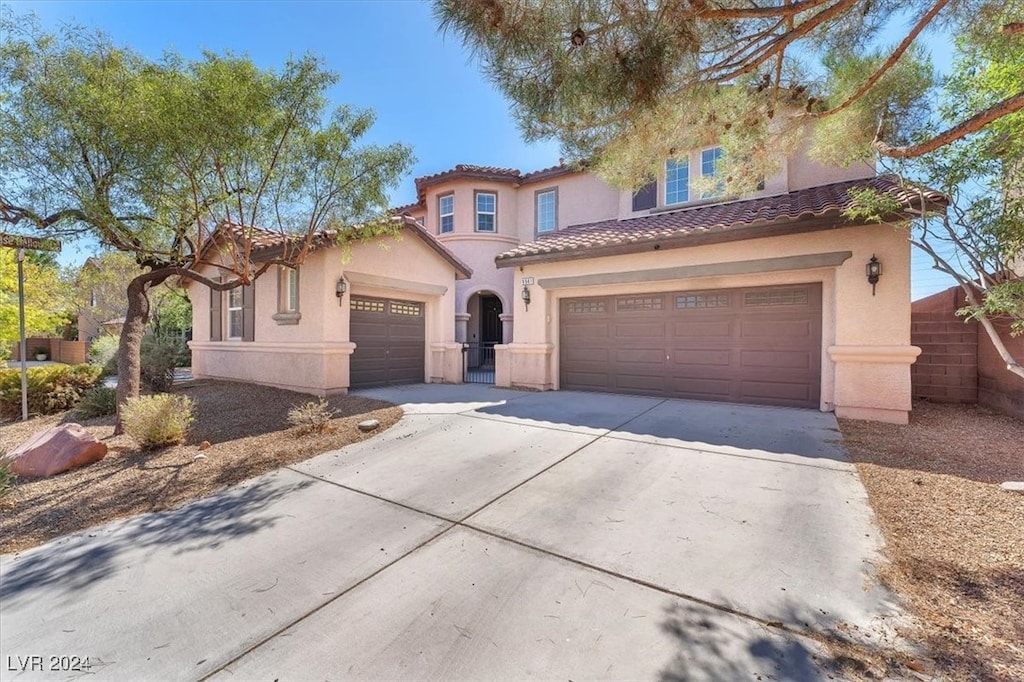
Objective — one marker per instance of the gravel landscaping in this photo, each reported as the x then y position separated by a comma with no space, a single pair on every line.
954,538
245,425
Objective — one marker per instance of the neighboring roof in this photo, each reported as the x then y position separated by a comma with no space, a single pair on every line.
264,240
489,173
798,211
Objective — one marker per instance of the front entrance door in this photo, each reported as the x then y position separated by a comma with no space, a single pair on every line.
490,320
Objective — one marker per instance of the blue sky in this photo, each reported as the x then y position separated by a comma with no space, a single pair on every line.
422,85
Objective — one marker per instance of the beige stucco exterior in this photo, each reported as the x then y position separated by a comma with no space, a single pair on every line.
312,355
866,339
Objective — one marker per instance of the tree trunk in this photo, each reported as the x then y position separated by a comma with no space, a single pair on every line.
129,351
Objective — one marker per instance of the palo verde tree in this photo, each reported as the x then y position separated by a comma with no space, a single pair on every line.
979,239
153,157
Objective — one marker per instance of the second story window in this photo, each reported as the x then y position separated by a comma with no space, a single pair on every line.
710,161
677,181
547,210
446,213
486,212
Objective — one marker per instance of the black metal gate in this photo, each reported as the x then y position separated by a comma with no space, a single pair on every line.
478,363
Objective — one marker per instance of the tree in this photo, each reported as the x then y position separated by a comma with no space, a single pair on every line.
155,158
46,297
979,239
625,83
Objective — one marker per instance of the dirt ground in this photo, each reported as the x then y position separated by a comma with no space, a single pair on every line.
249,434
954,537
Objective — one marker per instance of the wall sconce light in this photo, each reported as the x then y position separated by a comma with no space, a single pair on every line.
340,287
873,269
526,296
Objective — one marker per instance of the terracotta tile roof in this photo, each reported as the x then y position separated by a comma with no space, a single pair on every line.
493,173
723,221
264,240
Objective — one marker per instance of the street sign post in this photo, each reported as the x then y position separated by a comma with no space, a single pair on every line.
21,242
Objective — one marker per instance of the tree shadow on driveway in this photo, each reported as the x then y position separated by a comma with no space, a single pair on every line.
74,563
720,647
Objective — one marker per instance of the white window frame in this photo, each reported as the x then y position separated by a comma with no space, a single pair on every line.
477,212
442,214
683,163
232,310
719,189
288,299
553,193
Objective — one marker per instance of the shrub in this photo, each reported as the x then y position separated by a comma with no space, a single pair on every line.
159,357
103,353
312,417
157,420
98,401
51,389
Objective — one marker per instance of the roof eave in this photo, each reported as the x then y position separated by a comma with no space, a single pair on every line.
718,235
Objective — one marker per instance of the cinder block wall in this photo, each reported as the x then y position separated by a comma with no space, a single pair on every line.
947,369
997,387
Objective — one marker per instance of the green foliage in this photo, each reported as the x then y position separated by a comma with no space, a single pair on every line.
152,157
312,416
98,401
159,358
51,389
155,421
7,477
46,296
103,354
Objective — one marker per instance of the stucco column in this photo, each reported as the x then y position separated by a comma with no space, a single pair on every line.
506,327
460,326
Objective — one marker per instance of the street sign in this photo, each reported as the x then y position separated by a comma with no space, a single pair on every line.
18,241
21,242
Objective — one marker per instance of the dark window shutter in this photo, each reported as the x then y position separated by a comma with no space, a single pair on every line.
216,317
646,197
249,313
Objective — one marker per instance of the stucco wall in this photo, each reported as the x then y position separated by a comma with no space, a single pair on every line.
313,355
866,339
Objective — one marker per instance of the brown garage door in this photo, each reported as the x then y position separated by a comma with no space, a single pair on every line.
390,338
759,345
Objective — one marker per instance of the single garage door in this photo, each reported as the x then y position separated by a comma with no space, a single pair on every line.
390,338
757,345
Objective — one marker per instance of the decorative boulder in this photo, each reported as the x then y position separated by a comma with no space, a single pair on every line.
368,425
55,450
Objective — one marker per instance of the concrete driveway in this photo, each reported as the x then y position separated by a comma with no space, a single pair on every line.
490,534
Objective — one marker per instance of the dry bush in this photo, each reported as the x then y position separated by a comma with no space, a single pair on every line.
311,417
157,420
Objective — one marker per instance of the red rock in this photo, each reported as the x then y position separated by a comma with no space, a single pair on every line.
55,450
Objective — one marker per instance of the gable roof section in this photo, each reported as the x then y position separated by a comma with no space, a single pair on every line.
805,210
265,242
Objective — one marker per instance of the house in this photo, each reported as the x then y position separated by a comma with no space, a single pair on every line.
102,311
669,291
376,315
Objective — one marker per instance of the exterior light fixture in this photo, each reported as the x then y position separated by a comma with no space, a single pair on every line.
526,296
340,287
873,269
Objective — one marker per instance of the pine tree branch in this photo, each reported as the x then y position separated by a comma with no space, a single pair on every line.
962,129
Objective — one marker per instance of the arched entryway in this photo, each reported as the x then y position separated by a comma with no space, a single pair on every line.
484,330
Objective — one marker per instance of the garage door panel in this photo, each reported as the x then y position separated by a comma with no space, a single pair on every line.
700,388
759,345
775,392
702,328
777,359
655,356
699,357
390,338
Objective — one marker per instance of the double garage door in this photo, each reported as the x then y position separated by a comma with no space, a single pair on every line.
756,345
390,338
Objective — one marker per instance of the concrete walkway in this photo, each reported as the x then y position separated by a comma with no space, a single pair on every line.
490,534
